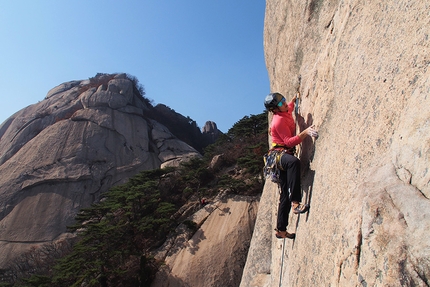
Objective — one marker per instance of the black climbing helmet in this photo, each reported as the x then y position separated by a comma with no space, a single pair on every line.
272,100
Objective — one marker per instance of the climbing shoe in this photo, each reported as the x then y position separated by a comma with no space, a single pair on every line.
300,208
284,234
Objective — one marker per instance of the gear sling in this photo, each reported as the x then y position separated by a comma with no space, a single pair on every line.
272,161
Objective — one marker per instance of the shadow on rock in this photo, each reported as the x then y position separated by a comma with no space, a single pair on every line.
198,237
307,153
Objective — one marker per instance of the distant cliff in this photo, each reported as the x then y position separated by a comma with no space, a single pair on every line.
59,155
362,69
185,129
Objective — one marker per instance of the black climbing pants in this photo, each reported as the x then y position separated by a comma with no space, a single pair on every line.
290,188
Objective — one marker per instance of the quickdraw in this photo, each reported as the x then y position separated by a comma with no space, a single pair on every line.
272,166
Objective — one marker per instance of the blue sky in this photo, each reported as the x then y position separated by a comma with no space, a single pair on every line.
202,58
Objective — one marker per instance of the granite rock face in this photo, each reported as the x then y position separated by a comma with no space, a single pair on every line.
184,128
59,155
215,253
362,69
211,132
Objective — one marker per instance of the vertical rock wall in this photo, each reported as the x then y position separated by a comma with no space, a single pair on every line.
215,253
362,68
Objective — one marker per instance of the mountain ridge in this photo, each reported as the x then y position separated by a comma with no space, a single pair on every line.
60,154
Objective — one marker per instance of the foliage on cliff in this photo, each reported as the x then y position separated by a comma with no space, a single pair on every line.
116,235
184,128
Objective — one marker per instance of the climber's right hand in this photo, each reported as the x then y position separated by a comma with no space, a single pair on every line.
310,131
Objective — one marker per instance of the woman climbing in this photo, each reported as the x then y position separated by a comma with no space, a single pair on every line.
284,139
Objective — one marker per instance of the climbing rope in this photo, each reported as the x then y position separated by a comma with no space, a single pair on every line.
282,263
289,191
283,244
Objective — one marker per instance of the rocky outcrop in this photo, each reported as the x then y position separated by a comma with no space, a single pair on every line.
211,132
59,155
362,69
214,253
184,128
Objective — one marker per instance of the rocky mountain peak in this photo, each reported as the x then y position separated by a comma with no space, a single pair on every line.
59,155
210,127
210,131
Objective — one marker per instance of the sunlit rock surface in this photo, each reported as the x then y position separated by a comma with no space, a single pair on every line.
362,69
59,155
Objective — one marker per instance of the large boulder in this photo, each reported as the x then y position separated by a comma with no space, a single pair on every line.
59,155
214,253
362,69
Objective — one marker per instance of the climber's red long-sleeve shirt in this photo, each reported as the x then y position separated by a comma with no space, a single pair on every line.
283,128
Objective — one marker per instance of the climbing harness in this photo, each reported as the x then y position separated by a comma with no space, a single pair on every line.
271,169
272,162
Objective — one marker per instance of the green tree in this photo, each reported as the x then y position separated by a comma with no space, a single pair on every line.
115,233
249,126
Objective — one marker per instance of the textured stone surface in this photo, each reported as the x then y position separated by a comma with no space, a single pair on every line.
215,254
258,263
60,154
211,132
362,68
